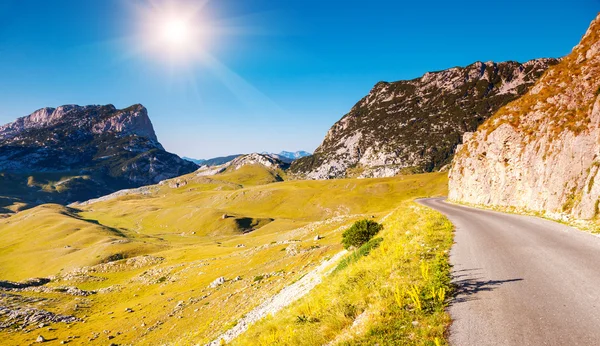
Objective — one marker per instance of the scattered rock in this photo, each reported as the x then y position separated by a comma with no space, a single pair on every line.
26,316
217,282
40,339
286,296
292,250
177,183
318,237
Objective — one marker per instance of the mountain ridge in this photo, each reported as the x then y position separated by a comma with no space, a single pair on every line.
286,156
415,125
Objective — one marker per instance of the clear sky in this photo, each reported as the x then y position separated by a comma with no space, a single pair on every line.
266,75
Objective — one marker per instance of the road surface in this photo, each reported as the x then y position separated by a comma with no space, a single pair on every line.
521,280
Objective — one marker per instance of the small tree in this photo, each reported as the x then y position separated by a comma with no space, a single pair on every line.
361,232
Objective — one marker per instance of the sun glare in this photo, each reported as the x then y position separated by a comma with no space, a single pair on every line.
173,32
176,32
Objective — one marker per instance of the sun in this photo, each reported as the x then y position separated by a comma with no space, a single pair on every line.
176,32
173,32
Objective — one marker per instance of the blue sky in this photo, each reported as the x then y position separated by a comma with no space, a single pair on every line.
279,72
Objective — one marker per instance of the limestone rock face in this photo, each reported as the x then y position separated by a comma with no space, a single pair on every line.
542,152
102,149
415,125
95,119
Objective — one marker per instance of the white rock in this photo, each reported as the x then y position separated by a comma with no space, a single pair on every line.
217,282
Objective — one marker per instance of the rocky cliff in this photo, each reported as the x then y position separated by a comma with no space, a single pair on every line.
97,149
415,125
542,152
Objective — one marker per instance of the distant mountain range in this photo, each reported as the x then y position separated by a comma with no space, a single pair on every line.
215,161
72,153
285,156
196,161
288,156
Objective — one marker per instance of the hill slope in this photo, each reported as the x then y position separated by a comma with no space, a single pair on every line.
145,267
415,125
79,152
541,152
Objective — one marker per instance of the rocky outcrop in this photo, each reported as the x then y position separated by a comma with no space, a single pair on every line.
265,160
415,125
102,149
540,153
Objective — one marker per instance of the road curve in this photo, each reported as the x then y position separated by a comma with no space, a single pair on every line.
521,280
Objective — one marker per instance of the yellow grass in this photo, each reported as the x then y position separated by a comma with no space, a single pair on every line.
192,245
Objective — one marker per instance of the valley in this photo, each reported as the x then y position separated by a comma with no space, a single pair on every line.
146,266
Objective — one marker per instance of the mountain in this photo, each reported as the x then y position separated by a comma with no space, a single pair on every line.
285,156
415,125
288,156
291,156
541,153
269,161
216,161
196,161
294,155
78,152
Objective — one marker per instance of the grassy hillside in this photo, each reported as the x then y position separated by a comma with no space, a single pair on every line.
149,258
393,296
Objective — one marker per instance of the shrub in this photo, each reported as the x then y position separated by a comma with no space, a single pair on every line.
361,232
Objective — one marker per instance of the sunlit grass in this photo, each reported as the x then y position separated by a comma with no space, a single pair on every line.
185,227
397,292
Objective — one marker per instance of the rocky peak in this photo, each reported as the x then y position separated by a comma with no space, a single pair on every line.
99,149
415,125
133,120
94,119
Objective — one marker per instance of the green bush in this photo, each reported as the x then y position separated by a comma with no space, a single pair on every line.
361,232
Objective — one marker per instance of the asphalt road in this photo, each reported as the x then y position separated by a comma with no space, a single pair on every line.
521,280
